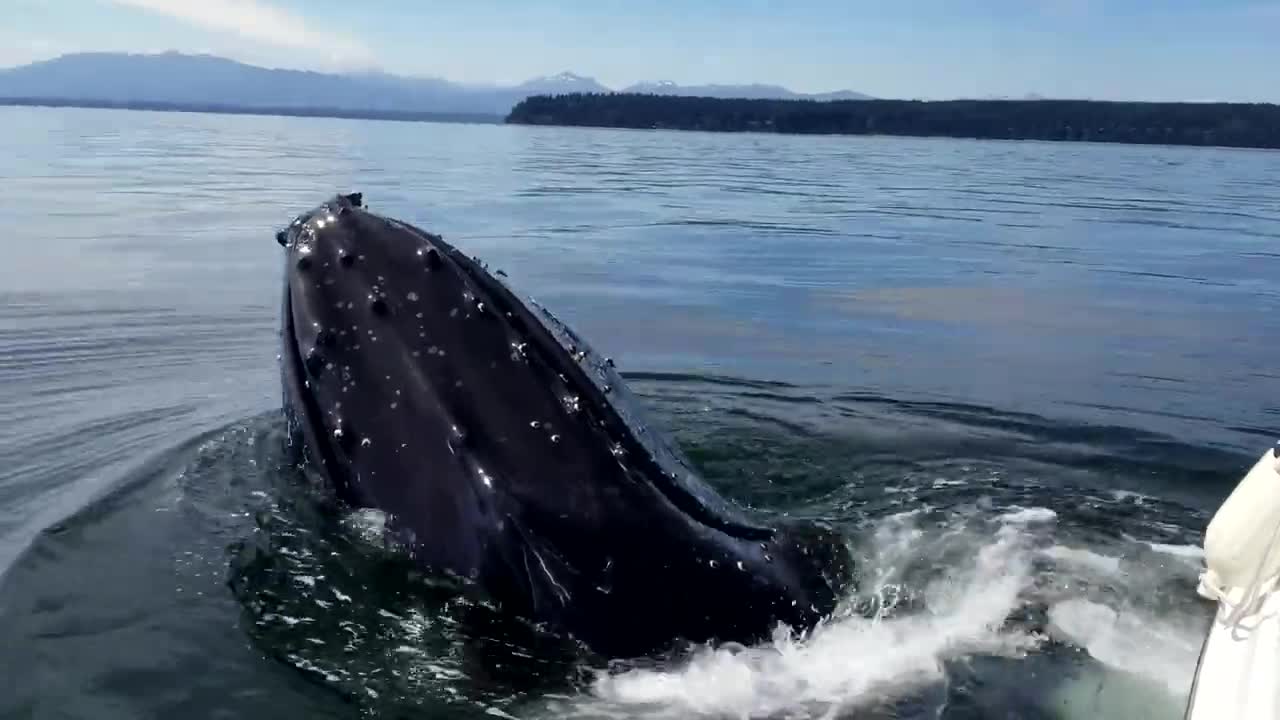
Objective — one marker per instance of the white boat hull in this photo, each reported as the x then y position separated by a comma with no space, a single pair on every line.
1238,676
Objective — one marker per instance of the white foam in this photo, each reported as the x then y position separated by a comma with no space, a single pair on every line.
1027,516
843,663
1187,552
1162,649
1102,564
301,663
943,482
1122,495
287,619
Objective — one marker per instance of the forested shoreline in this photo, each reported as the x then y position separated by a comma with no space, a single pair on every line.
1217,124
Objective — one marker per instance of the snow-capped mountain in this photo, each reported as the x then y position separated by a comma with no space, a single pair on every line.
752,91
565,82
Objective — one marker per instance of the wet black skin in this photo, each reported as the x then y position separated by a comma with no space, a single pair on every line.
507,453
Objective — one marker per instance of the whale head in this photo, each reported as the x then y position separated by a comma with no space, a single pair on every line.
505,451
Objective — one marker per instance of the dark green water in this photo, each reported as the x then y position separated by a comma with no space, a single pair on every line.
1019,376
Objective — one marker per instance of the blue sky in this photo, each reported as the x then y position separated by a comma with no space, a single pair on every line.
1115,49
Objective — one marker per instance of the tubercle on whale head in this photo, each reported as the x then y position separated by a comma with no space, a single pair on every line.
296,234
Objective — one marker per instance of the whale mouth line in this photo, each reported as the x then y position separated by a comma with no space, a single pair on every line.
296,373
504,302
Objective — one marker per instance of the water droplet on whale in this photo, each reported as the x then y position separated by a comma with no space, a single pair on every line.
458,438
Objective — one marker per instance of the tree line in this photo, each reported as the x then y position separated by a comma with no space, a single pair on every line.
1223,124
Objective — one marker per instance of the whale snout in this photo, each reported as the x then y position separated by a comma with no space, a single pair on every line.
345,269
334,235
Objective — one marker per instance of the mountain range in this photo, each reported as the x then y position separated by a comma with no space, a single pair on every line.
753,91
179,78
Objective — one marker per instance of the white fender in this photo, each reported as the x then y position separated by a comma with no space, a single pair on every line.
1238,676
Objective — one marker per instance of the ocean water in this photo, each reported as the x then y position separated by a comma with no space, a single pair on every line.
1019,377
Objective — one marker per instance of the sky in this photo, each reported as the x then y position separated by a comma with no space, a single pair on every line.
1197,50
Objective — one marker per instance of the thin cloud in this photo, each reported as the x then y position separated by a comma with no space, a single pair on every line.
18,50
1268,11
258,22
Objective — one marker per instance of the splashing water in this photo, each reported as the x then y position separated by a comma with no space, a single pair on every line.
851,660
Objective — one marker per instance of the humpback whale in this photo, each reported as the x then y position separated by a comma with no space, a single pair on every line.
508,454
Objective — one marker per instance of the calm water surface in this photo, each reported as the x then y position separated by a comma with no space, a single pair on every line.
1020,376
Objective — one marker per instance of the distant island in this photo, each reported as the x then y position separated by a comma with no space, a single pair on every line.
1219,124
